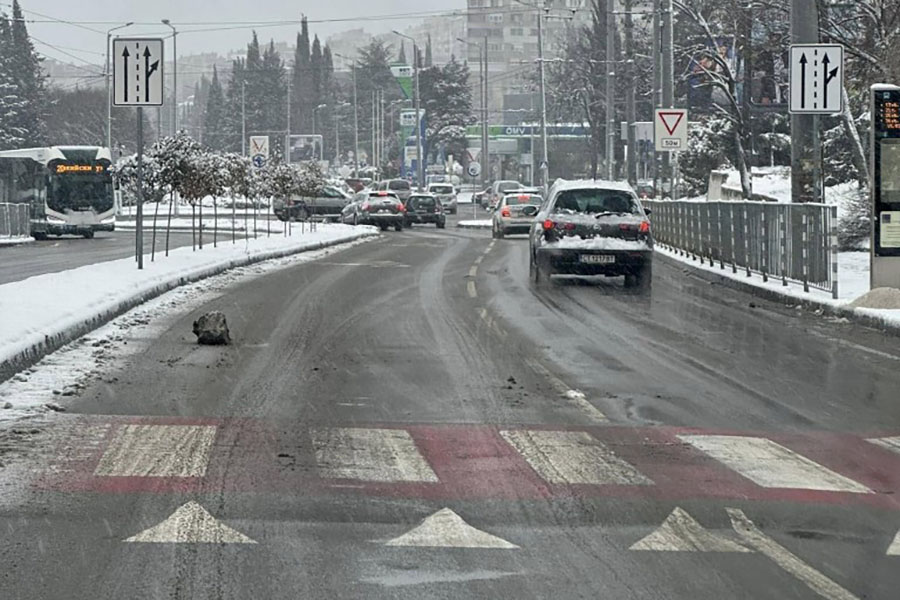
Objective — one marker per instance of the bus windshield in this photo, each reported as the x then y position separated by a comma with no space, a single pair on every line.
80,191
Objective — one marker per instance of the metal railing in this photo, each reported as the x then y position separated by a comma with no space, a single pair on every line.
14,219
790,242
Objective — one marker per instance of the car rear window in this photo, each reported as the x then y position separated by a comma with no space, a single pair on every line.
505,186
523,199
423,201
596,201
399,185
442,189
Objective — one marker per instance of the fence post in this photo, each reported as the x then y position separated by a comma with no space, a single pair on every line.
782,228
733,240
805,252
719,232
834,253
764,258
746,240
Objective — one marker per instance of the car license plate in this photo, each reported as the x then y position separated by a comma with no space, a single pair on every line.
383,210
597,259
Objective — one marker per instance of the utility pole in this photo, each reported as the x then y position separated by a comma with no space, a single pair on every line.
174,76
485,140
804,127
374,133
630,109
668,82
610,90
287,137
545,164
656,91
243,118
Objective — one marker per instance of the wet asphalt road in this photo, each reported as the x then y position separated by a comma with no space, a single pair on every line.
369,390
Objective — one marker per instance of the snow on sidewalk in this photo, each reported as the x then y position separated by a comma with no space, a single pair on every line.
42,313
476,224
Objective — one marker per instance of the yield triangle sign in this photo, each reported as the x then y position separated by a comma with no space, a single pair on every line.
191,524
446,529
680,532
670,120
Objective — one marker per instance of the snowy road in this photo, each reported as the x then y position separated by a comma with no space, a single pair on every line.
409,418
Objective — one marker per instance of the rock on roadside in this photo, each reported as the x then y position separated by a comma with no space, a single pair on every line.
211,329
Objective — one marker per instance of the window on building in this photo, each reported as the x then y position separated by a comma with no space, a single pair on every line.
515,31
495,18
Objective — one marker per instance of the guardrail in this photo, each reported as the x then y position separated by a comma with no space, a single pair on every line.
791,242
14,220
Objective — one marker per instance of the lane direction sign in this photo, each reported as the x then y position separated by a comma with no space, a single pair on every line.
817,78
138,72
670,129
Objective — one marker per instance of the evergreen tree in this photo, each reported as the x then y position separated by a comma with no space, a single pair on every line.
401,58
316,72
12,105
28,77
446,98
214,134
272,82
301,115
231,133
428,62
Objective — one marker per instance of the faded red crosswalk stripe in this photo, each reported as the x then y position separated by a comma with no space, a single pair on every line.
122,455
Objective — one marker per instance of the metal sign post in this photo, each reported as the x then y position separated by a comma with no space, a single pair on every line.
884,183
138,82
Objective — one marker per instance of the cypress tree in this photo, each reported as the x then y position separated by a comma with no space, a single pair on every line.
27,75
214,116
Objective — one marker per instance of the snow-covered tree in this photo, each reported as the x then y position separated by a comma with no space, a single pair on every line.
446,98
27,75
214,134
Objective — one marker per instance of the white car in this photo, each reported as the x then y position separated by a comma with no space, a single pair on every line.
509,216
446,194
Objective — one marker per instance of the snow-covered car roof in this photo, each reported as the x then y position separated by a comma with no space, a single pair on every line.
580,184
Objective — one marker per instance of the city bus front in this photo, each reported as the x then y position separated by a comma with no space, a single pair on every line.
80,198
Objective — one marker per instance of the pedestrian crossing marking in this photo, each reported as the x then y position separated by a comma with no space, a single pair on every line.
771,465
385,455
572,457
888,443
157,451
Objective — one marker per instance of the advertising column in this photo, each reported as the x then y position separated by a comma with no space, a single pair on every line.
885,186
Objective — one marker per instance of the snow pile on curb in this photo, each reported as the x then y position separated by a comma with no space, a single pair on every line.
879,298
15,241
476,224
43,313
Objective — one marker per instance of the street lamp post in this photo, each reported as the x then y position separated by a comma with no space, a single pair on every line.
420,160
355,117
174,76
109,86
314,116
482,72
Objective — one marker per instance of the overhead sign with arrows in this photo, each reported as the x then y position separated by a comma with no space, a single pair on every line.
817,78
138,72
670,129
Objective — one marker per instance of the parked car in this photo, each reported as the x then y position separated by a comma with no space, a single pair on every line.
500,189
425,208
446,195
357,184
400,187
327,205
481,197
509,216
375,207
591,228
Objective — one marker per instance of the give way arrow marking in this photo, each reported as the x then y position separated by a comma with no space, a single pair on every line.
191,524
680,532
670,120
894,548
446,529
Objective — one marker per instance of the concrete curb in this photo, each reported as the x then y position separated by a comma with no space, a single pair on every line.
31,355
11,243
809,304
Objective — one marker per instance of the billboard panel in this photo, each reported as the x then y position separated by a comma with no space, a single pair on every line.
304,148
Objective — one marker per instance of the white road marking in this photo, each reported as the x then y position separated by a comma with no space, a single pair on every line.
894,548
491,323
756,539
446,529
577,398
191,524
473,271
378,264
771,465
888,443
386,455
479,259
470,287
680,532
572,457
157,451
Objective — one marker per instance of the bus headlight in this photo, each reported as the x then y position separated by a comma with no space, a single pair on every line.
52,219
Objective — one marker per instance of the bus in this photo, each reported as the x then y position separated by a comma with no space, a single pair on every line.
69,188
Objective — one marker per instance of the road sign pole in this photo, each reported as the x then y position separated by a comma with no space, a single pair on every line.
804,30
139,233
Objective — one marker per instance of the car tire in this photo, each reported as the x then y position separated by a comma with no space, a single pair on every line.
440,224
500,233
494,233
355,219
383,226
88,235
39,235
537,275
398,227
644,278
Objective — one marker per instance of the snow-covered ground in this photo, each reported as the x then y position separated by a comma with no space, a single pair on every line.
464,197
224,225
40,311
58,376
15,241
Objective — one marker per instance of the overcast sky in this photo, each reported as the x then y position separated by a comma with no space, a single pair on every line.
92,16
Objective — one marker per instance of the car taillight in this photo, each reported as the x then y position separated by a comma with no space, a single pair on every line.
504,212
548,225
400,207
645,227
365,205
569,226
